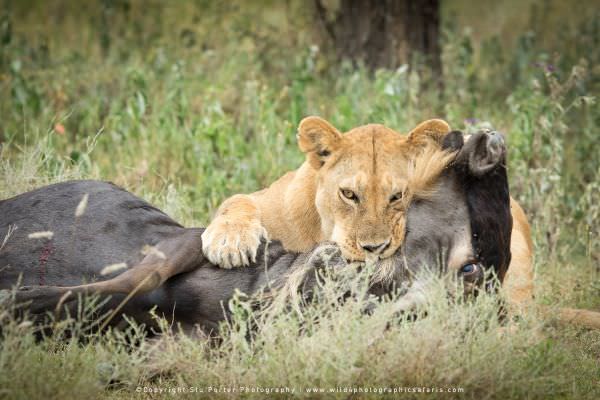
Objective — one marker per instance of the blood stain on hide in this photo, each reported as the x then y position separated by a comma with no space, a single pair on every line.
46,253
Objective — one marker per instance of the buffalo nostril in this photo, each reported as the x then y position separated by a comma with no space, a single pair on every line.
496,137
376,248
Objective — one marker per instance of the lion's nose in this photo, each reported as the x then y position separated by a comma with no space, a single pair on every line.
377,248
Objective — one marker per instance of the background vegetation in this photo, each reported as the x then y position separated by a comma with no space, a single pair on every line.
186,104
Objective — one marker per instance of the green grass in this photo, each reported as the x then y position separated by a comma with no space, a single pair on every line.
188,104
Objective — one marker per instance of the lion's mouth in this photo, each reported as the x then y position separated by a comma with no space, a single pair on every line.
354,254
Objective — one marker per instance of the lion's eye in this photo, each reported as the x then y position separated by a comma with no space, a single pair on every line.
395,197
349,194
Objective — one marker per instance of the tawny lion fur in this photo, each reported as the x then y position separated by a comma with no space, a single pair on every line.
349,190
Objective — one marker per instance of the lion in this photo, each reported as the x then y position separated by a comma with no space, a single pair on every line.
348,190
518,281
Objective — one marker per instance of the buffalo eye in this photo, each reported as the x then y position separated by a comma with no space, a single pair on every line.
469,270
349,195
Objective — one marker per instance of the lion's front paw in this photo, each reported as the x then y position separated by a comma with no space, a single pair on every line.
231,243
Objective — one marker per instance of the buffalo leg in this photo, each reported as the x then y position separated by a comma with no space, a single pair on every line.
170,257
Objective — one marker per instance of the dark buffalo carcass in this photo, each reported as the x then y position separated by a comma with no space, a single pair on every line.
94,237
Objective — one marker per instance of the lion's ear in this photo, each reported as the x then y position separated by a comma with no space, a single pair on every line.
317,138
435,129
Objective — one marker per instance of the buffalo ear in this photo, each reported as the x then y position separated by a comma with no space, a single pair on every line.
453,141
318,139
483,152
435,129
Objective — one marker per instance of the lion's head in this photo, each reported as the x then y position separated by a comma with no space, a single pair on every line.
361,177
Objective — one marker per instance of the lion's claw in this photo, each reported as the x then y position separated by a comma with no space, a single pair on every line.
231,244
